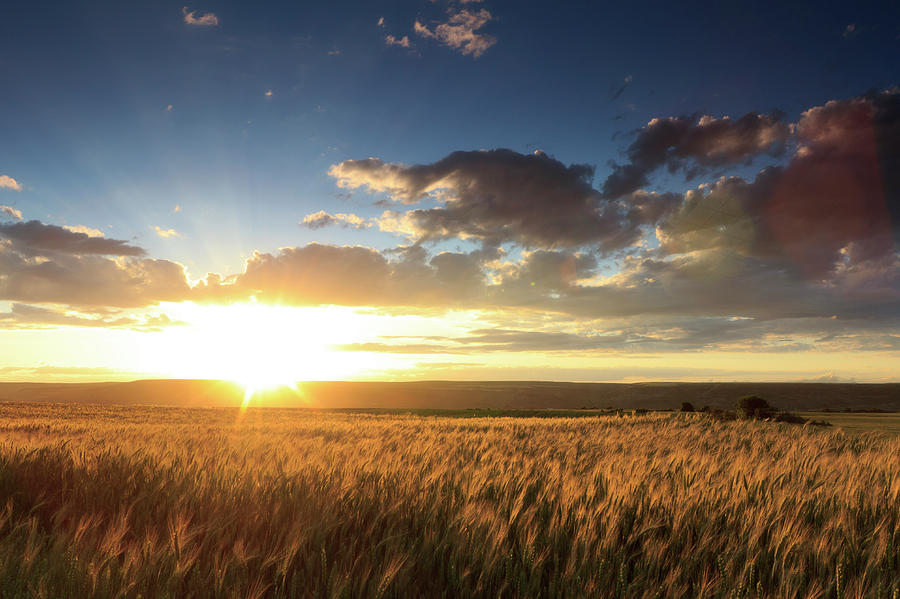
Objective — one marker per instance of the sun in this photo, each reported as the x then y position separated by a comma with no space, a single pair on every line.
272,347
263,347
259,346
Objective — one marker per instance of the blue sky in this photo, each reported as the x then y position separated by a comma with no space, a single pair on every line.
112,114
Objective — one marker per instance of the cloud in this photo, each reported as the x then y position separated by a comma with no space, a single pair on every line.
833,211
268,93
322,219
694,145
381,21
51,370
403,42
166,233
48,264
496,196
89,231
24,316
319,274
207,20
7,182
11,212
91,280
169,108
177,208
460,32
400,348
635,336
802,256
34,237
829,377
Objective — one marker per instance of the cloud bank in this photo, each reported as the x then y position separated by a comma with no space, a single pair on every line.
802,256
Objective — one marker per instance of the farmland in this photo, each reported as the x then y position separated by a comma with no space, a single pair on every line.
106,501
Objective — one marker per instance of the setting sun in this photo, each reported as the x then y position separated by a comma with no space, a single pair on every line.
260,346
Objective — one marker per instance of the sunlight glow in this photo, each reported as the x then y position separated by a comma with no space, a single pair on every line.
261,347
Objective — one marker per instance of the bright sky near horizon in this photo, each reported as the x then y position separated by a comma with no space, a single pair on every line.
465,189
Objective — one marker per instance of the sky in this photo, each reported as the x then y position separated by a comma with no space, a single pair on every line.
466,189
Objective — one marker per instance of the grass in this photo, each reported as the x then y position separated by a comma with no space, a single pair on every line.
860,423
162,502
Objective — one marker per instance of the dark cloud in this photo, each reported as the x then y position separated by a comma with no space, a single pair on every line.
694,145
47,264
835,208
353,276
36,238
496,196
92,281
547,272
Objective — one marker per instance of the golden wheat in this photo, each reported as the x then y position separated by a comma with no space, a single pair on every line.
158,502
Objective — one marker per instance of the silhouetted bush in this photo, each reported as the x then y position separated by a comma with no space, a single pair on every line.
687,407
754,406
790,418
717,414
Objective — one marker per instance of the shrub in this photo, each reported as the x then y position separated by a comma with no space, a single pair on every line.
754,406
790,418
687,407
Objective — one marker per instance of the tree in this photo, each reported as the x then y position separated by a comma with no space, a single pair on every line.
754,406
687,407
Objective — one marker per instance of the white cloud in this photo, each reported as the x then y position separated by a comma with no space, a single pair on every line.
321,219
422,30
166,233
207,20
89,231
390,40
459,32
10,211
7,182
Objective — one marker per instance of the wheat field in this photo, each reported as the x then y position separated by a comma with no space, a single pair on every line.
162,502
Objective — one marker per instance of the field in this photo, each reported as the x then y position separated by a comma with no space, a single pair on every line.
454,395
169,502
859,423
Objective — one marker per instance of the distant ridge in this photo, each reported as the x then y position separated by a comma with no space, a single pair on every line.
462,394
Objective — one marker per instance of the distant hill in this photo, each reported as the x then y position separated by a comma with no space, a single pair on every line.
455,394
